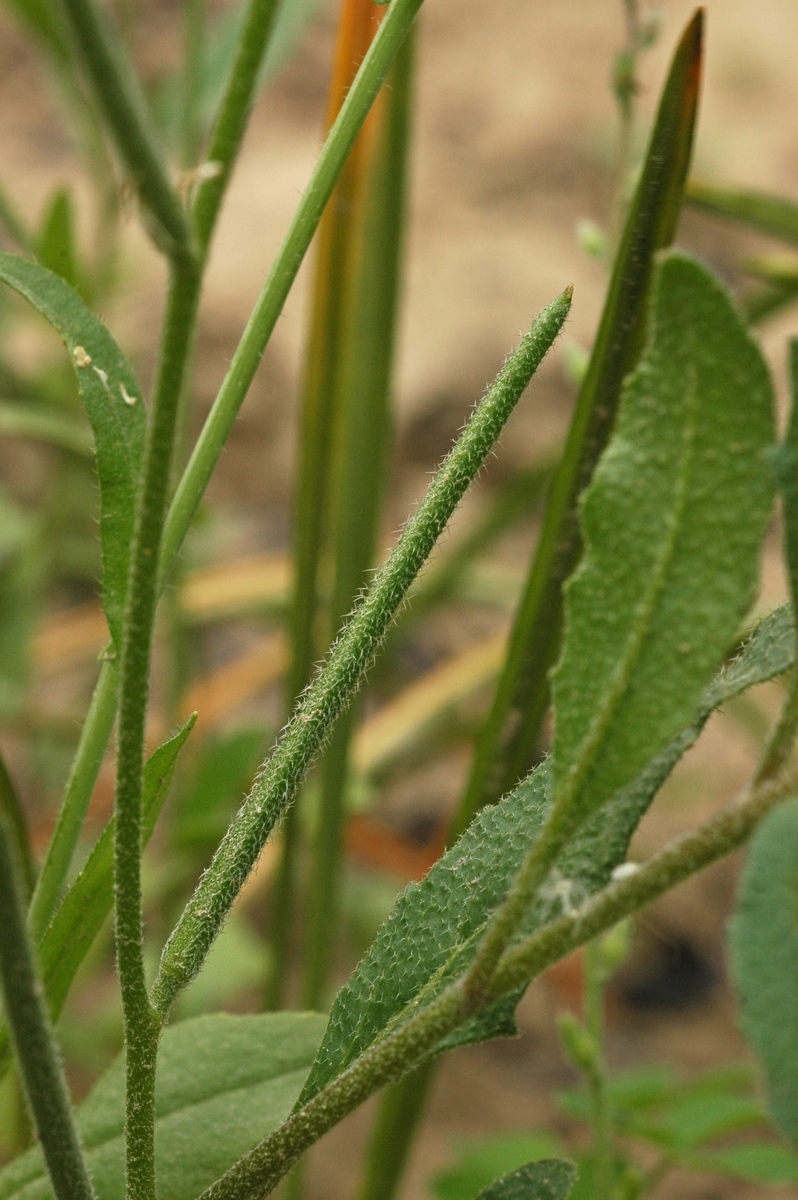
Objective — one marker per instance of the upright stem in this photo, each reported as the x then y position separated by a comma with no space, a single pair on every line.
246,359
17,829
326,867
362,403
119,98
315,452
100,718
401,1109
594,1019
233,116
40,1063
193,51
141,1022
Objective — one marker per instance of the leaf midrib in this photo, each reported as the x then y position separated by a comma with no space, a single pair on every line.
596,736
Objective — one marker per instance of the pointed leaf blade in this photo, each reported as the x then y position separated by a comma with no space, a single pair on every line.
112,397
673,522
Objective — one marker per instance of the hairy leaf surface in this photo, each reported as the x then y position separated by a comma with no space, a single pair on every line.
430,934
224,1082
764,944
673,522
114,407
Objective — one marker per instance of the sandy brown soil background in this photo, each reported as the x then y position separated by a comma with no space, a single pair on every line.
515,132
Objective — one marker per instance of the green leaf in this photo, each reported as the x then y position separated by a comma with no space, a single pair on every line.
430,934
479,1163
764,949
760,1162
88,902
551,1179
55,246
773,215
115,410
224,1082
673,522
509,743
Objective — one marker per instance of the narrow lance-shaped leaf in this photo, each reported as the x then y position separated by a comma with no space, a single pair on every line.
673,522
88,902
764,945
509,741
434,926
340,677
114,407
223,1082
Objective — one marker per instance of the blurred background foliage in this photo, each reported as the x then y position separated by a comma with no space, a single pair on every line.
515,136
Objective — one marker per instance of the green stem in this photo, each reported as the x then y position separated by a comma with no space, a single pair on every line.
193,48
86,765
234,111
325,873
118,97
42,1071
259,328
100,718
141,1022
594,1020
311,496
510,738
362,403
17,829
394,1055
342,674
779,748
